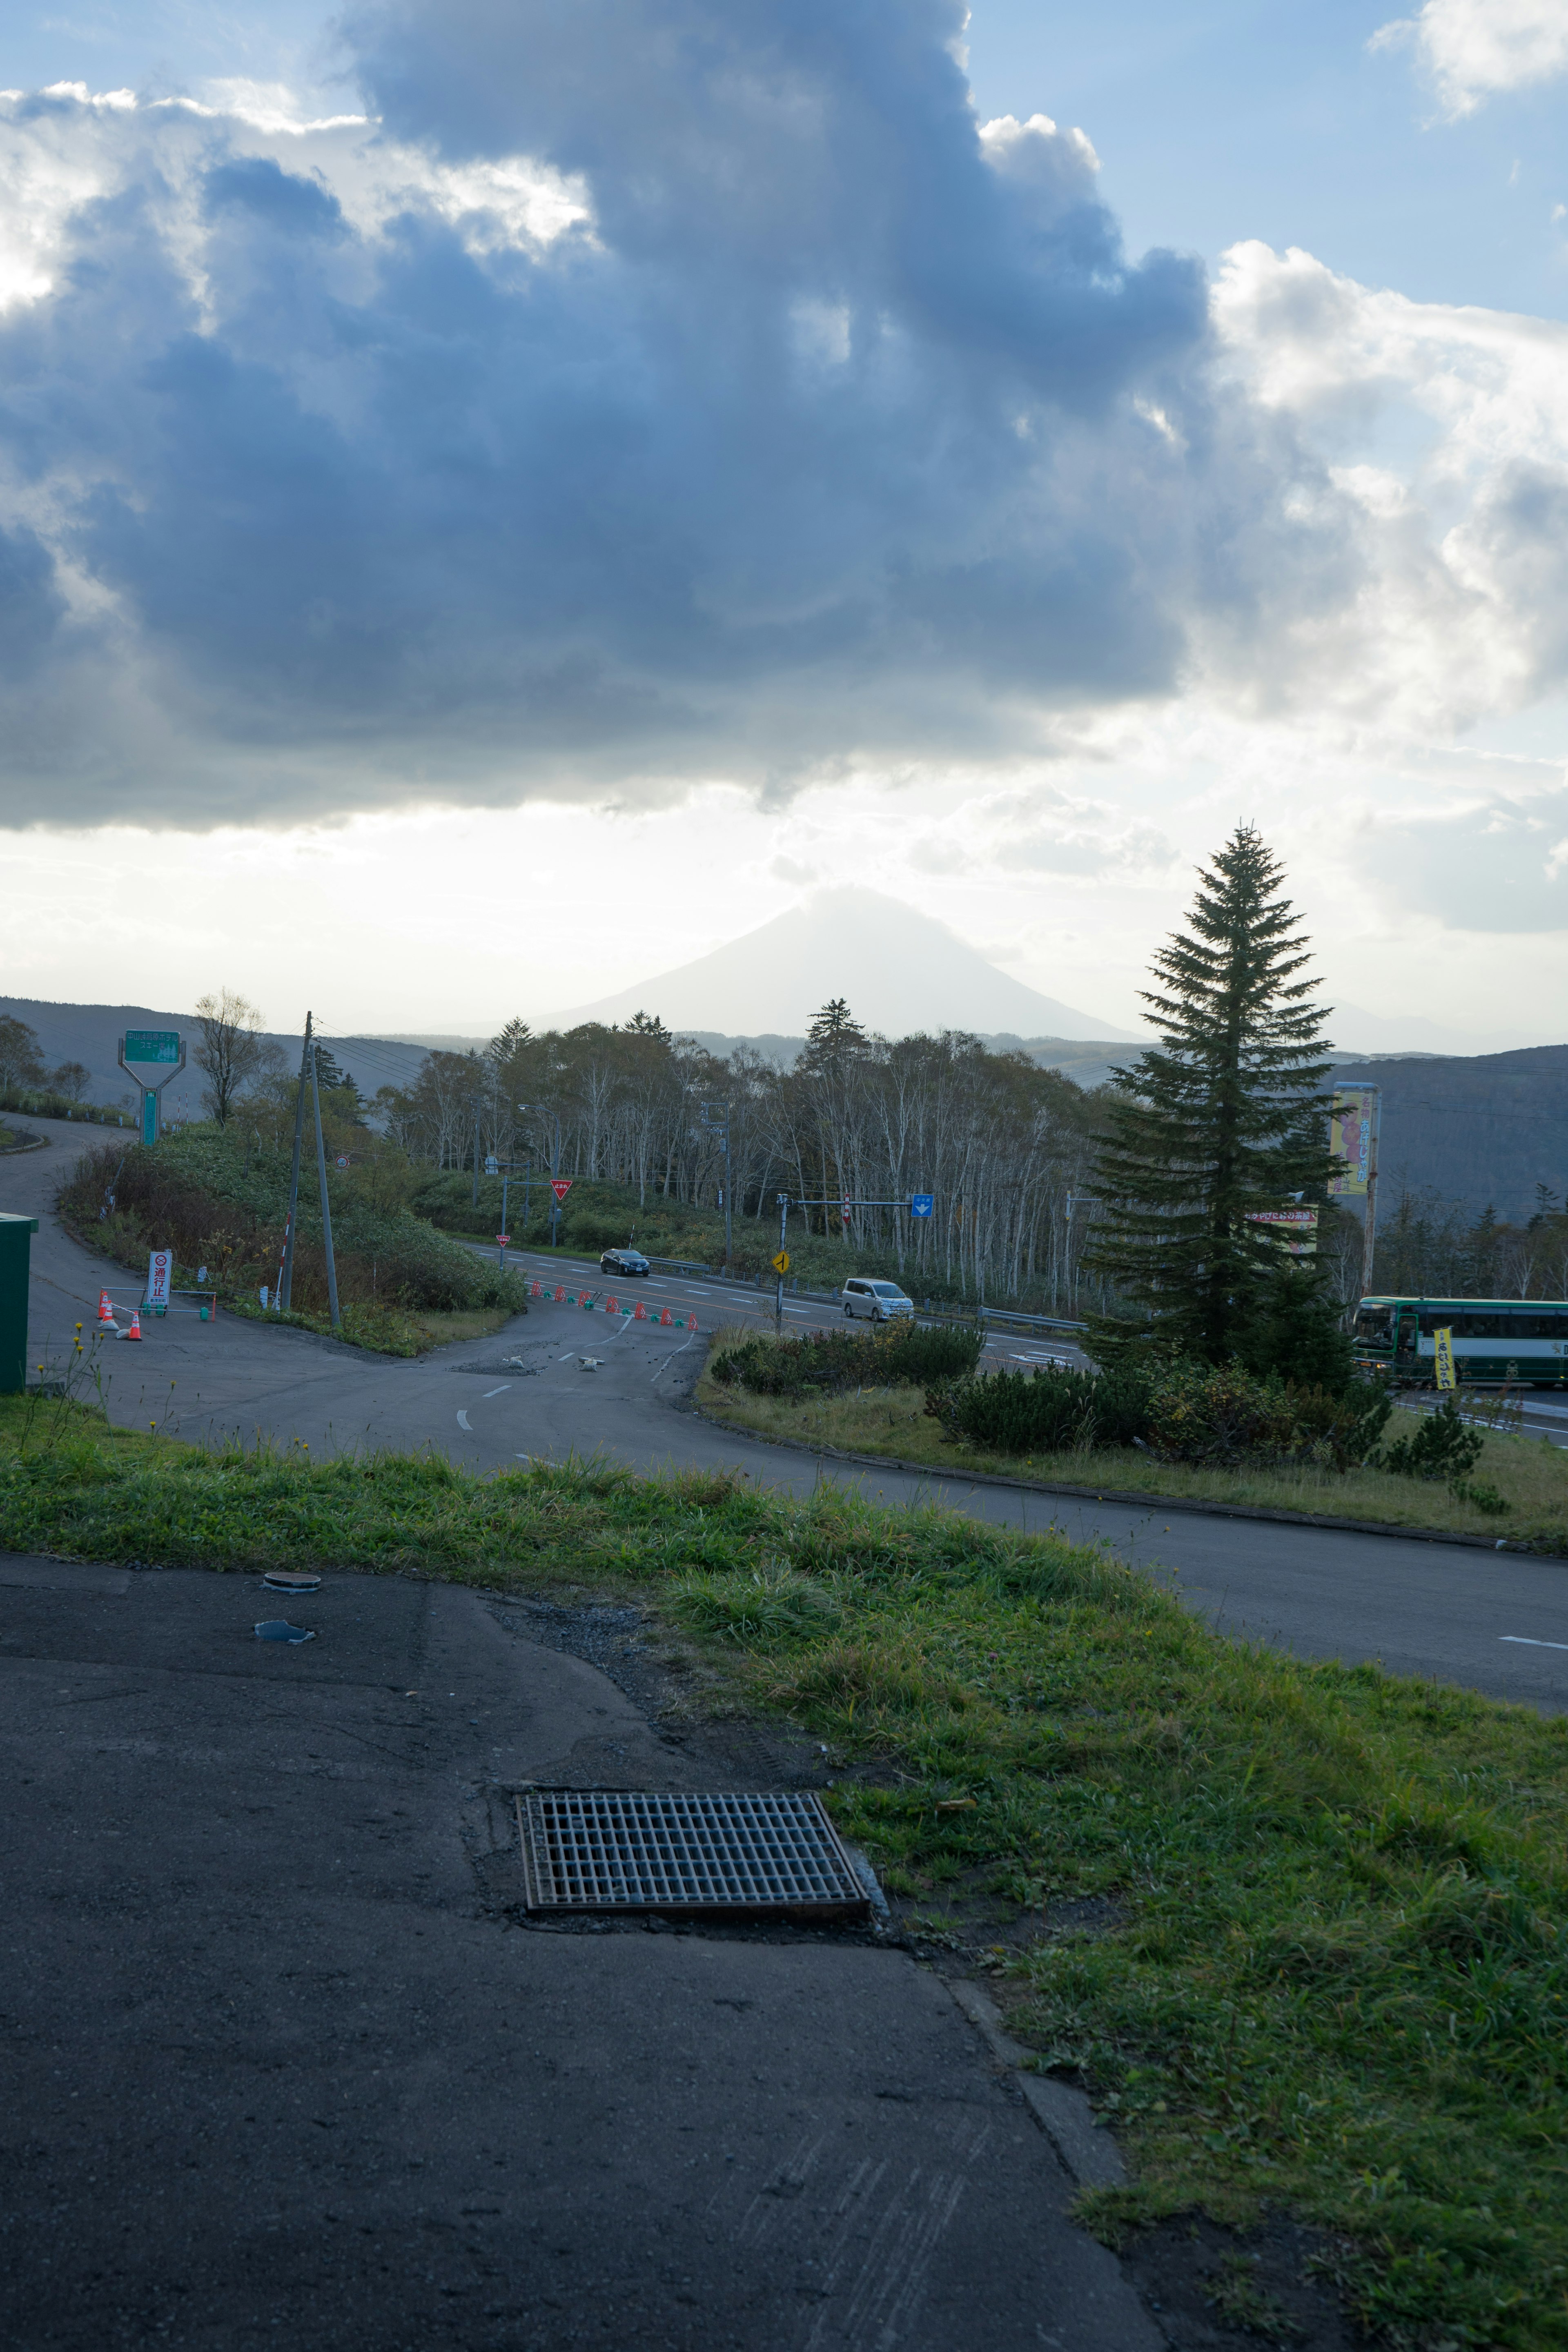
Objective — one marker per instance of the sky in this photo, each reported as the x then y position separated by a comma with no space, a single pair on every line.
497,499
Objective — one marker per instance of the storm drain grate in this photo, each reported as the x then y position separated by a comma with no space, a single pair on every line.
619,1850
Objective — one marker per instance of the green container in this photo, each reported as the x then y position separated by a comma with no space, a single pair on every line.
15,1250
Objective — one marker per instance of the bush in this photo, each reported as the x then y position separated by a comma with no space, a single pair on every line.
199,1195
1227,1417
1220,1417
1442,1446
1052,1410
900,1355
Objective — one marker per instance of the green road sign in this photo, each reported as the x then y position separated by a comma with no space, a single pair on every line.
152,1045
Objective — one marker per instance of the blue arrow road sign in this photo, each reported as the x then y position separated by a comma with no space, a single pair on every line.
920,1203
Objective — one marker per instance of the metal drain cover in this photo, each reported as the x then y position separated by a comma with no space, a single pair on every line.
622,1850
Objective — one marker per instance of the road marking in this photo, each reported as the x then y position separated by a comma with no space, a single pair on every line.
1530,1643
673,1353
463,1421
500,1392
525,1457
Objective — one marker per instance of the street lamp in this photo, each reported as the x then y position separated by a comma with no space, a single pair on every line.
542,1110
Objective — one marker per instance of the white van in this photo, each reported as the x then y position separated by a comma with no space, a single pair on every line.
879,1300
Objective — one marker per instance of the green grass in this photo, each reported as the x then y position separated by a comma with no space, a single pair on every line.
1529,1473
1340,1983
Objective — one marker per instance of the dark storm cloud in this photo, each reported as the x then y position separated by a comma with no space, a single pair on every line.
837,428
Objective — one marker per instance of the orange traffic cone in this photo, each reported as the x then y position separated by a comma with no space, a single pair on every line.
105,1312
135,1331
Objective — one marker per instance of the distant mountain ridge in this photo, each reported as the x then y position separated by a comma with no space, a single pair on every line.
89,1034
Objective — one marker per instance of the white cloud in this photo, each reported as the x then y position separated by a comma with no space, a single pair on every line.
1445,434
1473,49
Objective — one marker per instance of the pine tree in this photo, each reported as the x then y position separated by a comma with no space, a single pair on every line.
1223,1118
834,1032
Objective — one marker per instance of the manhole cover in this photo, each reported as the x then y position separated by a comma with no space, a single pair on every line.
617,1850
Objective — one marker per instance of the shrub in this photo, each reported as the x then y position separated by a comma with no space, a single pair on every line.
1220,1416
829,1361
199,1195
1051,1410
1442,1446
1340,1428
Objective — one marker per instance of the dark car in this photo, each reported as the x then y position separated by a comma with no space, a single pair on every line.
623,1261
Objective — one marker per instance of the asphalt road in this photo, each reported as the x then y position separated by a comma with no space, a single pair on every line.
561,1380
285,2066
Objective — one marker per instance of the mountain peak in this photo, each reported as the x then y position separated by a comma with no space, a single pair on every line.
901,972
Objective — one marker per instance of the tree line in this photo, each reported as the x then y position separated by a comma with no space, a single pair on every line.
1005,1146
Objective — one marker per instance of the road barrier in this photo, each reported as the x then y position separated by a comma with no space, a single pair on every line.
591,1301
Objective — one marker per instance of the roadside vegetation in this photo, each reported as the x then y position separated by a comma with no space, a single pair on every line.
218,1197
1224,1440
1327,1971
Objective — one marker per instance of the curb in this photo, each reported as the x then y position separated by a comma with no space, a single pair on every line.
1087,2150
1201,1510
39,1143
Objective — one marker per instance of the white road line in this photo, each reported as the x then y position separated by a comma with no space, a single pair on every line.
673,1353
525,1457
463,1421
500,1392
1530,1643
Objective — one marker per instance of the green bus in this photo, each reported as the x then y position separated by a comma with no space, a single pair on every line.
1522,1340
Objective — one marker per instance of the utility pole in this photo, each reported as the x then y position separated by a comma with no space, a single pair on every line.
326,1205
1369,1239
783,1231
720,1127
542,1110
476,1152
286,1271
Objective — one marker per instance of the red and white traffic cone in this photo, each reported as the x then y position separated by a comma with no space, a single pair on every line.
135,1331
105,1313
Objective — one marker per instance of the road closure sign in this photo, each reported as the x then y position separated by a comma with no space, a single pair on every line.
921,1204
781,1260
160,1274
561,1186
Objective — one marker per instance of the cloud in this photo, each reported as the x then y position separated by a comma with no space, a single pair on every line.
1473,49
1459,606
627,398
1496,866
630,398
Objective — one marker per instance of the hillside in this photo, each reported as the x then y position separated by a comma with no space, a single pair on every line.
89,1034
1476,1128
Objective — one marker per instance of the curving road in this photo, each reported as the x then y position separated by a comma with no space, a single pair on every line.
562,1379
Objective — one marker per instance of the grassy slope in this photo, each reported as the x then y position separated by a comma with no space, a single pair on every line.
1340,1982
247,1196
1530,1474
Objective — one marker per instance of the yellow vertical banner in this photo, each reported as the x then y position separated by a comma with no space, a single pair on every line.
1443,1341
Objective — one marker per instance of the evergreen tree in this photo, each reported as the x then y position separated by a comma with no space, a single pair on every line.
834,1033
1223,1118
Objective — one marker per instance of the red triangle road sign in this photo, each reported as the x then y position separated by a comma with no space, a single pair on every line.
561,1186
